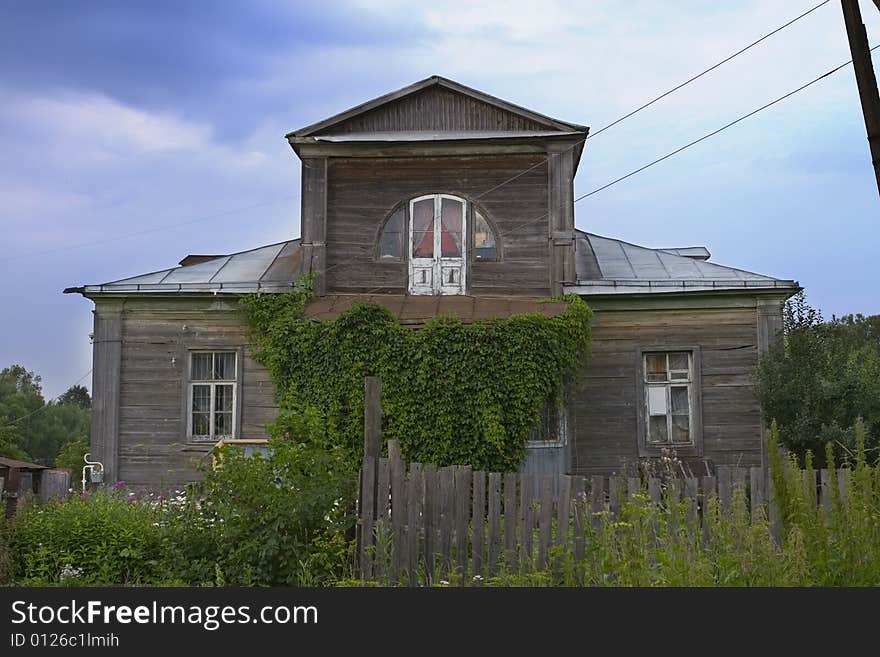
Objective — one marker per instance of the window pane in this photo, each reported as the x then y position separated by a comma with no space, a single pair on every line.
657,400
681,429
222,424
679,395
451,221
224,366
223,398
391,240
201,367
655,367
423,228
657,429
201,424
201,399
484,239
678,361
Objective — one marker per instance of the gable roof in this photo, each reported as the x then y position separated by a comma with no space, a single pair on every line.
271,268
397,107
609,266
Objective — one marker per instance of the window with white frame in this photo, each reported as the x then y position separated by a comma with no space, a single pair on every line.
212,395
669,398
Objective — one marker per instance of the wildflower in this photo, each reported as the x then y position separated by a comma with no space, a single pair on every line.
119,484
69,571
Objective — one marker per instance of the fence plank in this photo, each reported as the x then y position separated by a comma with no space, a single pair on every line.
633,487
510,515
478,523
579,497
414,503
367,508
758,493
398,520
842,483
463,477
563,511
383,547
710,491
825,498
724,487
447,518
432,492
545,520
494,521
597,500
809,483
654,489
615,493
691,494
773,510
526,519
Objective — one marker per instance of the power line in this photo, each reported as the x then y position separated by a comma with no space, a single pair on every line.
715,132
660,97
45,404
688,145
708,70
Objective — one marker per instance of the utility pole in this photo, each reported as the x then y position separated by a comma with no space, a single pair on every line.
865,78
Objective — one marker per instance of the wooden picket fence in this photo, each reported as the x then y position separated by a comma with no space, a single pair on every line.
420,522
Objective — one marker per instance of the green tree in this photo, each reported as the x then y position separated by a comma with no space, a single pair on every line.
821,378
76,395
71,455
38,429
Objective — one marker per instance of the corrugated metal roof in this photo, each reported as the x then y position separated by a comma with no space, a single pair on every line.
418,309
609,266
270,268
440,135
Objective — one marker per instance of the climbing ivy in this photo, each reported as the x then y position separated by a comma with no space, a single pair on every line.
452,393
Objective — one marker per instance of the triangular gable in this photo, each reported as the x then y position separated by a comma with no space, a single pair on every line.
436,103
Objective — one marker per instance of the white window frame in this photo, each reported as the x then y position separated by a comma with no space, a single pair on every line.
561,439
693,382
234,382
436,263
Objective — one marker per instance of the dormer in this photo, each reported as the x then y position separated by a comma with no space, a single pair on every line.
439,189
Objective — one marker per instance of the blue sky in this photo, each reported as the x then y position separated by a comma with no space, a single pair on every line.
134,133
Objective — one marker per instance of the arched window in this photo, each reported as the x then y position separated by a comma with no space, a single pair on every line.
438,235
485,243
392,237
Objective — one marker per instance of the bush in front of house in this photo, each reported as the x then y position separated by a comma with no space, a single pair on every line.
280,520
99,538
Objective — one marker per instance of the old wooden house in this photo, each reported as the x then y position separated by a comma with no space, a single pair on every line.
439,198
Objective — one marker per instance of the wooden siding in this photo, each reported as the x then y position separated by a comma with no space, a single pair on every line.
361,193
435,108
605,406
156,337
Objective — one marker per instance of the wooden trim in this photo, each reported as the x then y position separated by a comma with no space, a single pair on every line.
696,449
407,149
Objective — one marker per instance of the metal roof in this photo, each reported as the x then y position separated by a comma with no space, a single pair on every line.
270,268
609,266
411,309
440,135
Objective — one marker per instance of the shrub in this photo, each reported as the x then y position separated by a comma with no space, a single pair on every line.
100,538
